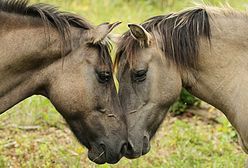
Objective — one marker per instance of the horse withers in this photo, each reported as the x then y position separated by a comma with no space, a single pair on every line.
204,49
64,58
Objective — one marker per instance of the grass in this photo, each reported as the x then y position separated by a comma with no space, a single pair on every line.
188,142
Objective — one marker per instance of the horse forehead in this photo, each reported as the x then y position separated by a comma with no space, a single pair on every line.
143,56
90,55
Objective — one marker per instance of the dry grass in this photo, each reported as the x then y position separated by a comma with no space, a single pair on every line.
42,140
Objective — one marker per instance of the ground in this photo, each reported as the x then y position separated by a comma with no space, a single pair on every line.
33,134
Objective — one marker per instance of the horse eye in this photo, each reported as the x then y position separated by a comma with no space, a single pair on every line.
103,76
139,76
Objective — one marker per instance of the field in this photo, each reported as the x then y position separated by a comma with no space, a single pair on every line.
33,134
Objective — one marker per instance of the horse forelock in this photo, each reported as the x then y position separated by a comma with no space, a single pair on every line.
179,32
104,52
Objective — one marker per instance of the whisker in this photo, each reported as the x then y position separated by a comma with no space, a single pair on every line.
98,156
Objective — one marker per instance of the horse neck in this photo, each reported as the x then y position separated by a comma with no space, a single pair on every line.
25,53
221,79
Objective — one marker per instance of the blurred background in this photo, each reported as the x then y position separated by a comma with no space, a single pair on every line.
33,134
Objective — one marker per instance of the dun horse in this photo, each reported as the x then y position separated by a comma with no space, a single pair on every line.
204,49
64,58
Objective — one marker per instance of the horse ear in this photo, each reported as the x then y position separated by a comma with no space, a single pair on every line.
102,31
140,34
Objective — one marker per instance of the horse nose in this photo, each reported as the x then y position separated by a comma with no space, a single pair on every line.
113,152
131,153
134,151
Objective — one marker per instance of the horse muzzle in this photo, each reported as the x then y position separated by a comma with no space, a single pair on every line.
135,150
102,153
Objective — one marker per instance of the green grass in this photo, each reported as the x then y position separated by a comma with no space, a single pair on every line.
188,142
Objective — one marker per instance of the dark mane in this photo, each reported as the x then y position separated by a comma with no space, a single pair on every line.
50,15
179,33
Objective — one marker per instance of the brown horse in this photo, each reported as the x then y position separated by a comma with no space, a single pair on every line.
204,49
64,58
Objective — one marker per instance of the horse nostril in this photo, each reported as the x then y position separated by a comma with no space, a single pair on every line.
129,146
102,145
146,145
124,148
145,142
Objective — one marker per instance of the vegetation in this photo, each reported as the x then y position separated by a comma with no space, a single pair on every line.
33,134
186,101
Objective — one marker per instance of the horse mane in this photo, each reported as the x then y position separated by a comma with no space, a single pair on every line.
179,33
49,14
61,21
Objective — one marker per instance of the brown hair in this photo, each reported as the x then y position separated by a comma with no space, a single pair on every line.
180,37
61,21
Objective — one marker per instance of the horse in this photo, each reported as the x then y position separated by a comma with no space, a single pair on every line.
203,49
64,58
